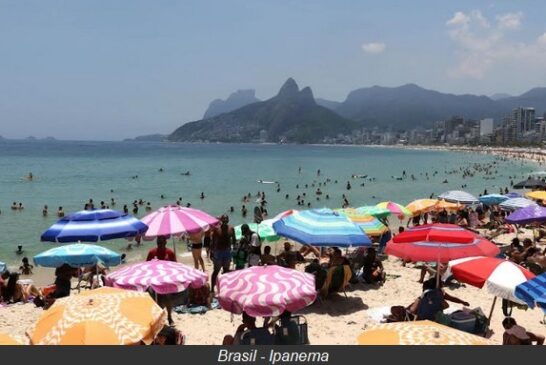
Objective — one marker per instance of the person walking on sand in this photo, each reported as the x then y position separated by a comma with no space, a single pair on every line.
161,252
196,250
222,242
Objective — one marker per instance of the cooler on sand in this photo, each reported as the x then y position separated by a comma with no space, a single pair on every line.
463,321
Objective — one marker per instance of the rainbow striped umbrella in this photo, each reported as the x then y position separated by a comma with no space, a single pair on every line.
264,230
374,211
370,225
395,208
321,227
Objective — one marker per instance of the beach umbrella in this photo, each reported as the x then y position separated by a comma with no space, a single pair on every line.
266,290
439,242
516,203
94,225
164,277
533,292
374,211
442,204
458,196
286,213
527,215
264,230
530,184
321,227
536,195
173,220
77,255
2,267
395,208
512,194
369,224
492,199
421,206
499,276
7,340
418,333
104,316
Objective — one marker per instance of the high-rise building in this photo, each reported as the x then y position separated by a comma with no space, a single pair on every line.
486,127
524,119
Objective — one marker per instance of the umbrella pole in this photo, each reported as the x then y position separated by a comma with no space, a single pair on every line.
491,312
174,246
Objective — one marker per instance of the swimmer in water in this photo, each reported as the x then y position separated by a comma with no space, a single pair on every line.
202,195
60,212
19,250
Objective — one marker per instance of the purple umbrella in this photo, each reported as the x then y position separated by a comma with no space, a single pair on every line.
530,214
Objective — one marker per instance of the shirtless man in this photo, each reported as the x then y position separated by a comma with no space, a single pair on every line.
222,242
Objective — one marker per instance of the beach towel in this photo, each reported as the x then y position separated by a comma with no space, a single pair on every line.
196,309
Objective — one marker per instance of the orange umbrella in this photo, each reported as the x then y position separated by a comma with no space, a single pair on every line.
421,206
418,333
104,316
8,340
442,204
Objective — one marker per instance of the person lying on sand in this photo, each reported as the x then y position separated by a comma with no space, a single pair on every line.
517,335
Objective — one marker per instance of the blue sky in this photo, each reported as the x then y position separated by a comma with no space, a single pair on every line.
110,69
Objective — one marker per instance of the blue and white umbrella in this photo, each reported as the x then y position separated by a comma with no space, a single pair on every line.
94,225
2,267
321,227
77,255
492,199
458,196
533,292
516,203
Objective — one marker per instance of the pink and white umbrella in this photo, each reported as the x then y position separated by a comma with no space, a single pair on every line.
164,277
266,291
176,220
499,276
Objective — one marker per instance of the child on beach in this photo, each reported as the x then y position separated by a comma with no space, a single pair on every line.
26,267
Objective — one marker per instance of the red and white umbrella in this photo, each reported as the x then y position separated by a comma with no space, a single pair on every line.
499,276
164,277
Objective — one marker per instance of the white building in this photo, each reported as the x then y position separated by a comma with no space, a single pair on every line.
486,127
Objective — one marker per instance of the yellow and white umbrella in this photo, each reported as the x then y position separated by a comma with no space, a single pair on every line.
537,195
104,316
421,206
418,333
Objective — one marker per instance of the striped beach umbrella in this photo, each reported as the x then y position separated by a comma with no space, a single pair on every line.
370,225
458,196
164,277
264,230
175,220
493,199
533,292
516,203
374,211
527,215
536,195
512,194
499,276
94,225
266,291
321,227
77,255
395,208
421,206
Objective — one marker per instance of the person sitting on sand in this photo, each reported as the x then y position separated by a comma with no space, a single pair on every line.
14,292
520,254
433,301
515,334
199,296
169,336
26,267
288,258
249,324
267,258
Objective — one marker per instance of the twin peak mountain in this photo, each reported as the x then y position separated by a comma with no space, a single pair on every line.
292,115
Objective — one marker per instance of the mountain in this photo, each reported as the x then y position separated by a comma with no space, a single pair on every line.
329,104
410,106
147,138
499,96
535,98
236,100
291,115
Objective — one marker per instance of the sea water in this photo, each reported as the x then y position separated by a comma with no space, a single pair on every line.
69,173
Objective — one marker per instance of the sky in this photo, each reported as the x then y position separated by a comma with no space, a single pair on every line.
113,69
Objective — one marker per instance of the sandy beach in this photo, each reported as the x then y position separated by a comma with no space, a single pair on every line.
336,320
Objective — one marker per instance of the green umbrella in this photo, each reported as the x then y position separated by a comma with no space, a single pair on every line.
374,211
264,230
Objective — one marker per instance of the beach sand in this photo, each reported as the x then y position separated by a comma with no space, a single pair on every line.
336,320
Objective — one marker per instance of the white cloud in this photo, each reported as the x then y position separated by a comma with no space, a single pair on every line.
481,45
374,47
509,20
542,39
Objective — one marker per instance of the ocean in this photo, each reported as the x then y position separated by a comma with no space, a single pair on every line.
68,173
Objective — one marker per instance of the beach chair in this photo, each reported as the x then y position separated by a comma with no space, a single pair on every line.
257,336
292,333
337,279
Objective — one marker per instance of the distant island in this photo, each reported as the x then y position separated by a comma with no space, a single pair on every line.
147,138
